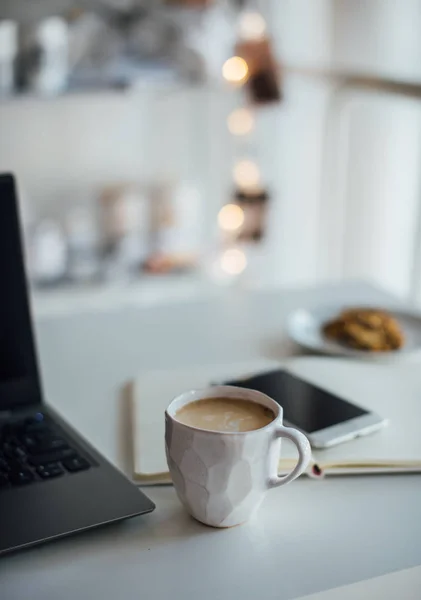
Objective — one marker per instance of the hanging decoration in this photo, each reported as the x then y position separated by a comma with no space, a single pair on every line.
253,68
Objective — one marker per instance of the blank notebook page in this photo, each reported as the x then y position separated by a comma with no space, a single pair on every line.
392,391
153,392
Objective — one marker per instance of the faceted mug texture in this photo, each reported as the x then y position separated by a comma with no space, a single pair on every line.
220,479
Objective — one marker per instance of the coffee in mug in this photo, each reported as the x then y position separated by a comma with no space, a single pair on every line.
225,414
223,446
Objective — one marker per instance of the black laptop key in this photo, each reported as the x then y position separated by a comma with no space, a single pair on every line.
8,430
13,440
36,427
76,463
56,456
22,477
29,440
48,445
14,464
8,450
50,471
13,452
19,453
4,480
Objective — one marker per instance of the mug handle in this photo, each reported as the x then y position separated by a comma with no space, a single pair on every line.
304,455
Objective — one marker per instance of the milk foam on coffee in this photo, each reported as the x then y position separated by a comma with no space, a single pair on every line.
225,414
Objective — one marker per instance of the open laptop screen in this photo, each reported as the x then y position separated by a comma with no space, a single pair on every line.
19,382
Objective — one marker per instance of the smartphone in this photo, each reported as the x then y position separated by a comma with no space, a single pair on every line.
325,418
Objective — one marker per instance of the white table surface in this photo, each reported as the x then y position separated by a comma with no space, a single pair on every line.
309,536
404,584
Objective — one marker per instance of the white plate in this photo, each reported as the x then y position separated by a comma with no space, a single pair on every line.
304,326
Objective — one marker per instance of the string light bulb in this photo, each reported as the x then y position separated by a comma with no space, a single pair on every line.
231,217
252,26
235,70
240,121
233,261
246,174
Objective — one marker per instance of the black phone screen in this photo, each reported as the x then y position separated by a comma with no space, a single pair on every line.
306,406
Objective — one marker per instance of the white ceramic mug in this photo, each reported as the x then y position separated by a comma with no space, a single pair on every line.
221,477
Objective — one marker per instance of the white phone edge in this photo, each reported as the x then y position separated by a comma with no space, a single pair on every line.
345,431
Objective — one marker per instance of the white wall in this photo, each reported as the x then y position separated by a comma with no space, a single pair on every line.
296,152
302,31
378,36
373,190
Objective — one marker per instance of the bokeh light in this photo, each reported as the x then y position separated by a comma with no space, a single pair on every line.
235,69
240,121
246,174
233,261
252,26
231,217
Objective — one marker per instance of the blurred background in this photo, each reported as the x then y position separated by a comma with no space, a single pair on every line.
172,148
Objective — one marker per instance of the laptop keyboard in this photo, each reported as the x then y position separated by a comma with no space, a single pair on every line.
34,449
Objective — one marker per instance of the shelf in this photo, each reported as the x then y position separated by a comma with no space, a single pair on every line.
138,78
146,292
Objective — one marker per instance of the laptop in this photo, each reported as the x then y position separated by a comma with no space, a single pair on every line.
52,481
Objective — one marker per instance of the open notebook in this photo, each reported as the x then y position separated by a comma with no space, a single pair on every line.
393,392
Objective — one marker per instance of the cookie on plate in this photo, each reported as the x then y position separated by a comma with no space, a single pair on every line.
369,329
